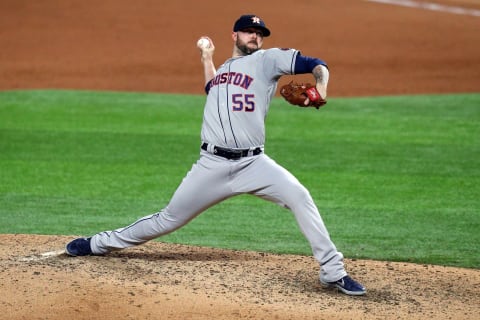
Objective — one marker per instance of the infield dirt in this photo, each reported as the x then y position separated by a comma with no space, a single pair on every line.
149,46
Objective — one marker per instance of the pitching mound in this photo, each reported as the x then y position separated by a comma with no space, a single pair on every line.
167,281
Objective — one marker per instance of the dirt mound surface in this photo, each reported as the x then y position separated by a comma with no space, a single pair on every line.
168,281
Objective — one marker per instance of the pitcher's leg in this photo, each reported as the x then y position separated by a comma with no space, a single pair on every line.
310,222
273,182
203,187
141,231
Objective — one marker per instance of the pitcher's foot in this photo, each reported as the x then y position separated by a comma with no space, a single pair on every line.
79,247
347,285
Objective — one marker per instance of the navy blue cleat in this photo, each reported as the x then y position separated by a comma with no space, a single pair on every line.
347,285
79,247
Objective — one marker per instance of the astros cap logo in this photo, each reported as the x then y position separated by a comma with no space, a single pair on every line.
255,19
251,21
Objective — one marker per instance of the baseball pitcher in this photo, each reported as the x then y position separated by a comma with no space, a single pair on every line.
232,156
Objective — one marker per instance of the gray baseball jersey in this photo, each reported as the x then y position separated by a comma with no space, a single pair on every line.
232,162
239,97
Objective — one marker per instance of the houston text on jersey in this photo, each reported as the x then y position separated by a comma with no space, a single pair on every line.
235,78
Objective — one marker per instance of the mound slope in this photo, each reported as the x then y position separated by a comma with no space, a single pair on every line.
169,281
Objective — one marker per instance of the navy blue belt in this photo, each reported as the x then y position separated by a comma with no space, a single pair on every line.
232,154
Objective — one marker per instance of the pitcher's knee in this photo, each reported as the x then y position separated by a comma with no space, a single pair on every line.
167,222
298,197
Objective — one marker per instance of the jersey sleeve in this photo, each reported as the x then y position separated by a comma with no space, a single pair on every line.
208,86
304,64
278,62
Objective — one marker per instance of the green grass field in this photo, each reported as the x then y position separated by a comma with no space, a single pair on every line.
395,178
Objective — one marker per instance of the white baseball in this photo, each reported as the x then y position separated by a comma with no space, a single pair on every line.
203,43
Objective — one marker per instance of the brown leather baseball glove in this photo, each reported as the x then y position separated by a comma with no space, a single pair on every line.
297,93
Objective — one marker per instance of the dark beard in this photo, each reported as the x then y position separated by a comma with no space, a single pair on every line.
244,49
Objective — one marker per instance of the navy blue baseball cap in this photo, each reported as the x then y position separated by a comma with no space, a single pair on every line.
250,21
